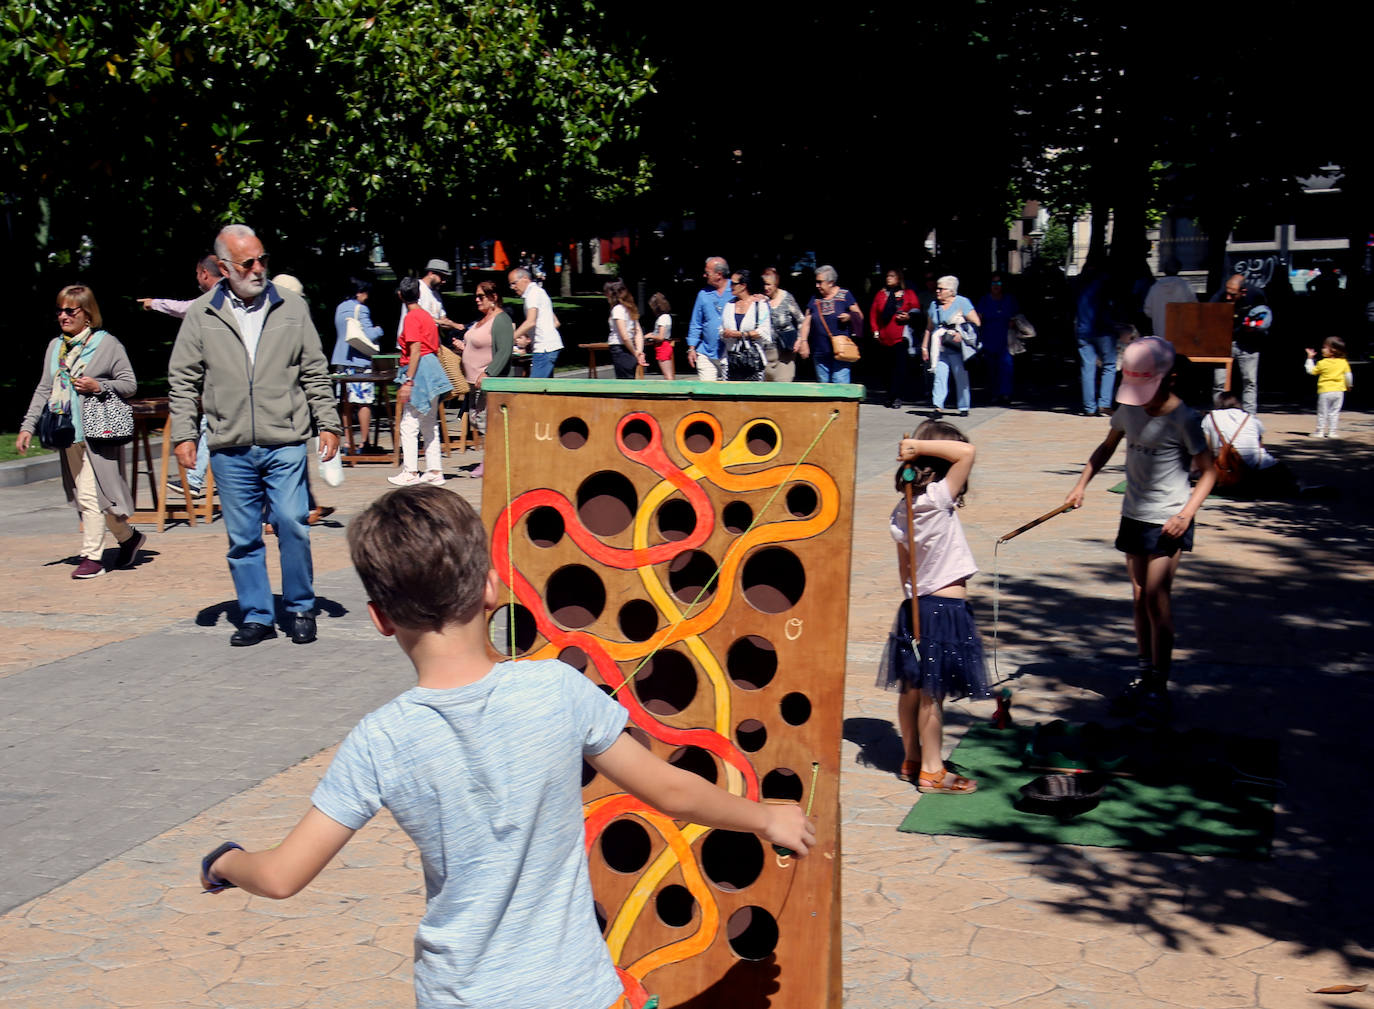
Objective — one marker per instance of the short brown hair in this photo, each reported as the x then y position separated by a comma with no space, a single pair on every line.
81,296
421,553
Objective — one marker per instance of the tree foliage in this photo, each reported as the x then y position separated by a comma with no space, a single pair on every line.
138,126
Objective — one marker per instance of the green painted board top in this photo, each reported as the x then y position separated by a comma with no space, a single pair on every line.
686,389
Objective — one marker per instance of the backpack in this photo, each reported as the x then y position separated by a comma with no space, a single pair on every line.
1229,464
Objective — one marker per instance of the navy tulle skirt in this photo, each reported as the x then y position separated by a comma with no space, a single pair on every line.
951,663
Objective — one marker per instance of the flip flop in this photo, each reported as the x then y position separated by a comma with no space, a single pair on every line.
945,782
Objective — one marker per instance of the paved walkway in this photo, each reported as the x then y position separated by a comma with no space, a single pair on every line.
133,737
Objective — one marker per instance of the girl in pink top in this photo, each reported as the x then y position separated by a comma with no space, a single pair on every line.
950,660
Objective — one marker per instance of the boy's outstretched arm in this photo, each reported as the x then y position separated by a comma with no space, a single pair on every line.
685,796
1096,461
285,870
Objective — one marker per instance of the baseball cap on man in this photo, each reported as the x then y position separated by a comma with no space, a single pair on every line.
438,266
1144,364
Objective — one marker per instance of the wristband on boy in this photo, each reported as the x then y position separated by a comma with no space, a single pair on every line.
214,883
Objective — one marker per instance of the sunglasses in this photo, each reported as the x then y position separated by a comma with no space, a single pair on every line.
69,310
247,264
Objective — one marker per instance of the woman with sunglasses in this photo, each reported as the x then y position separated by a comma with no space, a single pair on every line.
489,343
86,363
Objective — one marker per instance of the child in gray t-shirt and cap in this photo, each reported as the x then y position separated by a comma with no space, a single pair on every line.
1164,441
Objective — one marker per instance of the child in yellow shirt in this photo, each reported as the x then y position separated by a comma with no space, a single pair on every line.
1333,378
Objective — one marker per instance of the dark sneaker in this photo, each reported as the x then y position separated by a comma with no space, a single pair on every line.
1154,709
128,550
302,628
1127,702
88,569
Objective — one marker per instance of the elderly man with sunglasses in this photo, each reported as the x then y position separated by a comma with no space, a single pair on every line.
249,356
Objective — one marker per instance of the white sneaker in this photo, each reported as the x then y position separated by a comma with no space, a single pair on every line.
405,478
432,476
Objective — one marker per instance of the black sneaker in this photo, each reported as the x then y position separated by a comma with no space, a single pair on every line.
1154,709
128,550
1127,702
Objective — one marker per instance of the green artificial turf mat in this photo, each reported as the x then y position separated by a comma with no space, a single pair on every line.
1184,796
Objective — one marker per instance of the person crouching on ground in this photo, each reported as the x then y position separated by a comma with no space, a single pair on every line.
480,764
1164,440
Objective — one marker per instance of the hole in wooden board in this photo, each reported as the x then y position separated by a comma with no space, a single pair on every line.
676,519
752,933
606,502
574,657
802,500
781,783
638,620
795,709
730,859
625,846
692,576
667,684
675,905
699,437
601,918
575,595
636,435
751,734
696,760
773,580
736,517
544,526
498,630
761,438
572,433
752,662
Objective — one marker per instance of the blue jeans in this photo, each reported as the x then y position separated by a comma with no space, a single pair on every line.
246,479
541,364
951,363
828,370
1094,350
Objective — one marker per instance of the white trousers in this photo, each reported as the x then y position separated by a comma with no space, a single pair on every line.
413,424
93,521
1329,411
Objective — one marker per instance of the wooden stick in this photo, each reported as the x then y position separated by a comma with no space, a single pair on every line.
911,568
1035,522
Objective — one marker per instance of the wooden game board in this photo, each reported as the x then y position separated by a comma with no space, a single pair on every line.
687,545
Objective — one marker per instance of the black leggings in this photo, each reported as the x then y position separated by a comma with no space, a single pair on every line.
623,361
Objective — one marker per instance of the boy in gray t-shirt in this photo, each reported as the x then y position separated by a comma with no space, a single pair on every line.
1164,441
480,764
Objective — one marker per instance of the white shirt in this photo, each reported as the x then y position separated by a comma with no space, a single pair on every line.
622,313
1248,442
546,336
1165,292
250,317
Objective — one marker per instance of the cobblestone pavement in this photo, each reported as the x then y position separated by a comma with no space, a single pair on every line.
133,738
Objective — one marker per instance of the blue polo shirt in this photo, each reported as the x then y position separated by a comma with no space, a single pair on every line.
703,333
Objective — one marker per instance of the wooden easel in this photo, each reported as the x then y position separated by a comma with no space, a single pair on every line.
1202,331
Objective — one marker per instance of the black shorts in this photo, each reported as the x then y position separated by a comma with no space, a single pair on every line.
1148,539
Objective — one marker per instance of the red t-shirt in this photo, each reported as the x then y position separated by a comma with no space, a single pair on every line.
420,328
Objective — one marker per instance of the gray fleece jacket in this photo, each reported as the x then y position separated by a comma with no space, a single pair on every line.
268,401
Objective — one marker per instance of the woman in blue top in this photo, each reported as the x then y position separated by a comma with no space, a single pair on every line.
945,322
350,361
832,310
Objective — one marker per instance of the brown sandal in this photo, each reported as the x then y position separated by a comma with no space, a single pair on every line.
946,782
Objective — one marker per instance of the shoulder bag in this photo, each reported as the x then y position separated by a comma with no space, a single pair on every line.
357,337
1229,463
107,418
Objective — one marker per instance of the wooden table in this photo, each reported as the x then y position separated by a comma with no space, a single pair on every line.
592,348
383,381
151,414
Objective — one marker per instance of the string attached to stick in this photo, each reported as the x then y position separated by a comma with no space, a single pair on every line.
782,850
997,580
